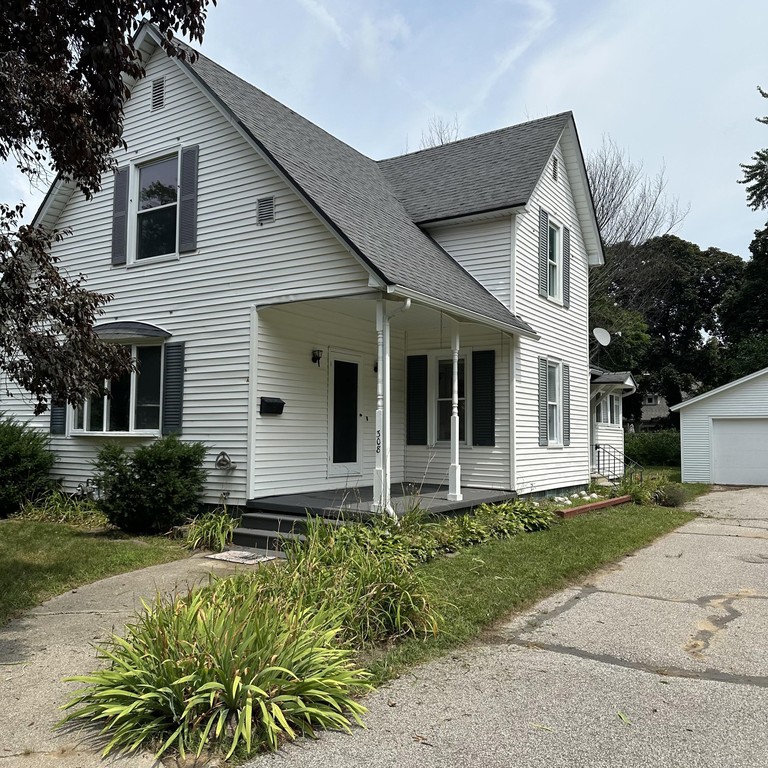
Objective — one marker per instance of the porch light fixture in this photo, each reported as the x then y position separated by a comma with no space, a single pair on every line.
317,355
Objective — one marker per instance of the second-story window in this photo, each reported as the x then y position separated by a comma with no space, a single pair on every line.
554,262
157,210
554,243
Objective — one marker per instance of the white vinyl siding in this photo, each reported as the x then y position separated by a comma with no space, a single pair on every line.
481,466
607,425
564,336
202,298
484,249
747,401
292,450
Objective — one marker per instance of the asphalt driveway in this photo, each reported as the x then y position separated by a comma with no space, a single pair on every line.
661,660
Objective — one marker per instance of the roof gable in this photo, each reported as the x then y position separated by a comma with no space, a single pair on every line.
720,390
480,174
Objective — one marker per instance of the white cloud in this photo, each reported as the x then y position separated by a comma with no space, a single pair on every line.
377,39
326,19
541,16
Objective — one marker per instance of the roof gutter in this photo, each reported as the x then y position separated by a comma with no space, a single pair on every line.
467,314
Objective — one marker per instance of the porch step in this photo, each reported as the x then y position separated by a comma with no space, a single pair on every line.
270,541
279,523
300,511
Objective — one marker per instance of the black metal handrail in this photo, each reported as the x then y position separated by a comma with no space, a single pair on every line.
613,464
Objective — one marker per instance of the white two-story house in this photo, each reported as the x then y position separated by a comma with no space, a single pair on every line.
321,320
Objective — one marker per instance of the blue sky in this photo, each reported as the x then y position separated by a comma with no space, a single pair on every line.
673,83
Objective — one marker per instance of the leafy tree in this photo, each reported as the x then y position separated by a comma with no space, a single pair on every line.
631,207
682,312
629,336
744,312
756,172
64,74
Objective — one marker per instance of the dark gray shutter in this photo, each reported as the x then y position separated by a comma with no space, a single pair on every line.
188,200
566,404
566,267
543,420
120,217
416,400
173,388
484,397
58,419
543,251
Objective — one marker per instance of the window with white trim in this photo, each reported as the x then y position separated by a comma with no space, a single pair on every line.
651,400
554,261
608,410
444,398
157,213
133,402
554,403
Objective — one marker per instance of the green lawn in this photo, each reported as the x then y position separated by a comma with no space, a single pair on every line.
40,560
485,583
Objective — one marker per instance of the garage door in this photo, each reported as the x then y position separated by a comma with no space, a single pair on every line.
740,451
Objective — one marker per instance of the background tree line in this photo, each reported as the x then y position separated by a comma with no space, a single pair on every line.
683,319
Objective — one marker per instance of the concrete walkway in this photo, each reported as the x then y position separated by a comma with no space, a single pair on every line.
54,641
659,661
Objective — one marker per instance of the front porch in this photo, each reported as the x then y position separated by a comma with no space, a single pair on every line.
271,519
357,501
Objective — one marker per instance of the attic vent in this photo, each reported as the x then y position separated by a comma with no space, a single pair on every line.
265,210
158,93
555,168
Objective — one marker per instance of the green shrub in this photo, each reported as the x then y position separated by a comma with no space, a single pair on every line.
671,495
642,488
25,464
660,449
153,488
212,530
58,507
221,670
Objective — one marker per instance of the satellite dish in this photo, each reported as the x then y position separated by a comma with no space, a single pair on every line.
602,336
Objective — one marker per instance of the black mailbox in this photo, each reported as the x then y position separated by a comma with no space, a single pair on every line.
271,405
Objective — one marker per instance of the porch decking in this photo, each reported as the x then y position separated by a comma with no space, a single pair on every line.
431,498
271,519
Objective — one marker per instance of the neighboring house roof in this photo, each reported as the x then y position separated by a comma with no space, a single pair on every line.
719,390
481,174
623,378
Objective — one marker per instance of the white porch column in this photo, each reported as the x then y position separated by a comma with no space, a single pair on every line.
454,473
381,474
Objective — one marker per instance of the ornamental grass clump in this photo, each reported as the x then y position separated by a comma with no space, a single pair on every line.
222,670
213,530
374,587
59,507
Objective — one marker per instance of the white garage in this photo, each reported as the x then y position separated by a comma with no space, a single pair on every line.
724,433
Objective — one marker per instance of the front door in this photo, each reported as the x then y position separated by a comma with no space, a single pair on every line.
344,407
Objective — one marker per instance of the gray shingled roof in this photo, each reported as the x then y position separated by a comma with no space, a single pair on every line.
353,195
482,173
600,376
